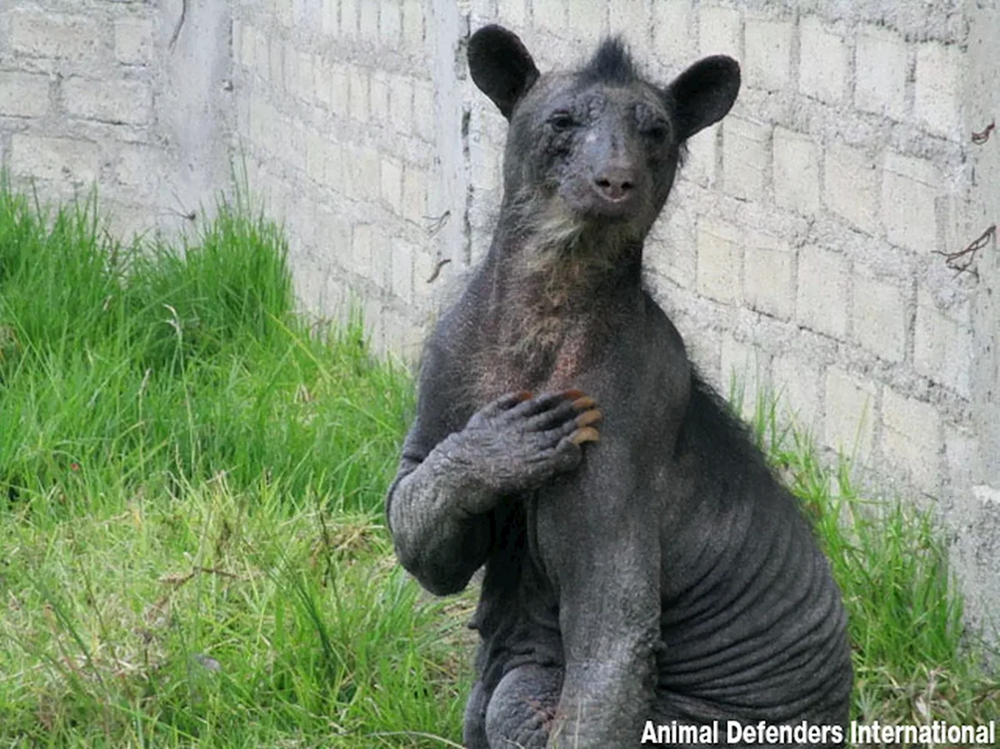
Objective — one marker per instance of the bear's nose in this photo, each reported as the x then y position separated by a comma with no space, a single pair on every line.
615,183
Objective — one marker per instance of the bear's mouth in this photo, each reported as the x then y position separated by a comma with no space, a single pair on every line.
591,202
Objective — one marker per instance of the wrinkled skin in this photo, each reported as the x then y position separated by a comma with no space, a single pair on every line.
641,562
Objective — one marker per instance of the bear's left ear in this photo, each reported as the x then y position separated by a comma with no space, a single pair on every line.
501,66
704,93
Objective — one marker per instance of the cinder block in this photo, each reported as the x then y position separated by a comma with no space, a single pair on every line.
381,258
374,314
911,438
301,218
39,34
879,318
243,110
743,374
311,14
673,41
276,63
413,25
704,350
425,264
315,156
880,72
24,94
358,78
321,68
310,282
391,183
423,110
849,422
415,184
303,83
329,23
909,189
282,11
335,170
586,19
364,174
380,96
961,452
59,159
937,101
720,256
821,301
512,13
401,102
485,162
368,25
361,250
719,31
402,269
340,90
296,137
333,238
943,345
628,18
243,44
796,171
390,23
349,17
795,382
119,101
823,62
699,166
851,186
277,136
134,41
283,148
394,332
290,68
136,169
552,16
258,112
769,53
673,251
413,342
745,157
261,55
768,276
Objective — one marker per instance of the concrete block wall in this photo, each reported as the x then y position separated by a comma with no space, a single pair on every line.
346,129
92,92
799,250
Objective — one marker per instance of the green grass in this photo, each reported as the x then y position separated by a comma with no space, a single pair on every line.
192,549
191,484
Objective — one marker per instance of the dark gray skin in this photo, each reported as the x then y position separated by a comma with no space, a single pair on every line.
642,563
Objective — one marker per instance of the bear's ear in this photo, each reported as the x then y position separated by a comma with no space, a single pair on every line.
704,93
501,67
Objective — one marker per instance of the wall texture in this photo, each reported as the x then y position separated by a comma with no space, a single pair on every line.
93,91
801,248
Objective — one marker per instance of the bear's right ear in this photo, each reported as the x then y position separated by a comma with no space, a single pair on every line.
501,67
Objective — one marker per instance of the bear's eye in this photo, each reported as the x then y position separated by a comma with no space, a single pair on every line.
657,131
562,121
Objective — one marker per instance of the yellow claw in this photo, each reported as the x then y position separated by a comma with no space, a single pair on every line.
586,434
588,417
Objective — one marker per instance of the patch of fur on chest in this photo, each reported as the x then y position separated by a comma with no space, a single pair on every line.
548,320
548,355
